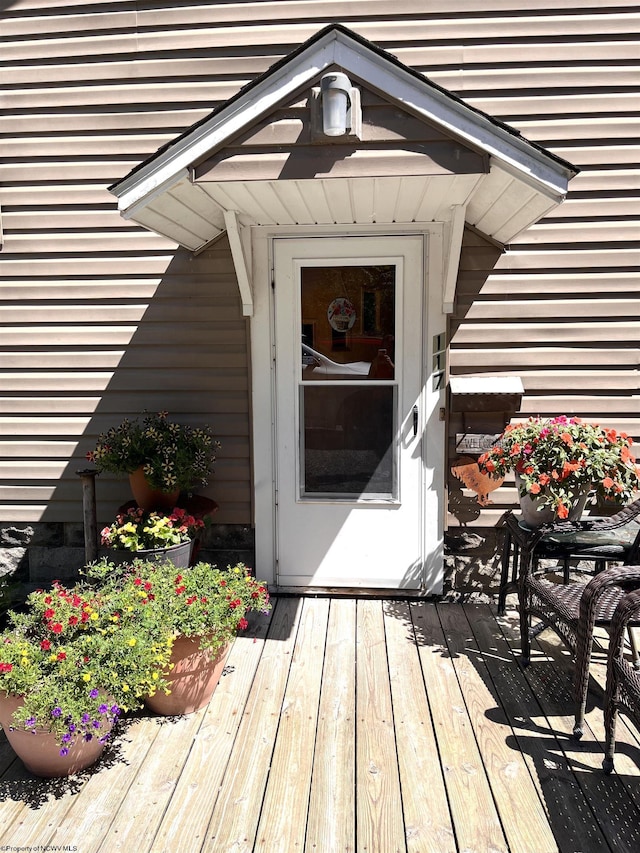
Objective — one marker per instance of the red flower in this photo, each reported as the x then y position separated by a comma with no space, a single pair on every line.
49,613
45,645
73,620
62,656
180,590
56,628
243,624
6,667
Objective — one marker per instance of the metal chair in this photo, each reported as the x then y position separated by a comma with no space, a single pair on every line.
573,610
623,680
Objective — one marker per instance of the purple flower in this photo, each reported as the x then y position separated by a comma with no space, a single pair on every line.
66,737
86,718
94,693
102,709
64,751
96,724
88,736
30,723
72,727
115,710
57,712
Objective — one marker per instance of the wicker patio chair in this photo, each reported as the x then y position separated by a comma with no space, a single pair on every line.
596,540
573,610
623,680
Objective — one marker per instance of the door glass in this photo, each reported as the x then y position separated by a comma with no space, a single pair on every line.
348,322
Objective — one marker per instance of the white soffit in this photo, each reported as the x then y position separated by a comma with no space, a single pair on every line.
523,184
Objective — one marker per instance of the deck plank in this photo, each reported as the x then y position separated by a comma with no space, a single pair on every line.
235,817
475,818
419,732
282,826
150,793
378,797
184,824
89,817
550,677
571,821
331,821
507,771
428,826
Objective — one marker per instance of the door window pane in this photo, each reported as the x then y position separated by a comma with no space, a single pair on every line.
347,441
348,322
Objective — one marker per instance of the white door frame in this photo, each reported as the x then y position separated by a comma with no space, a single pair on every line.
263,390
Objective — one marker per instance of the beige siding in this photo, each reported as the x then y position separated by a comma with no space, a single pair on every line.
100,318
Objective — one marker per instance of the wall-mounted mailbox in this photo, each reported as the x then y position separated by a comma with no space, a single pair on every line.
485,393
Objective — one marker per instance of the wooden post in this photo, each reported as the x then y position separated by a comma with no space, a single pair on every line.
89,513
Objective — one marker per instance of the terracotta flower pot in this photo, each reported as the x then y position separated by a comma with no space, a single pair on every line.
193,679
148,498
40,751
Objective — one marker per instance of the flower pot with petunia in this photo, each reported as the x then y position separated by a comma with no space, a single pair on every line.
160,456
137,533
559,461
70,663
201,609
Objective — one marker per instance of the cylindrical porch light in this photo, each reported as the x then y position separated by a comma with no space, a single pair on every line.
335,88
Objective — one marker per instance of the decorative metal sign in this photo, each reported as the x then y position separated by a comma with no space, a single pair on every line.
468,442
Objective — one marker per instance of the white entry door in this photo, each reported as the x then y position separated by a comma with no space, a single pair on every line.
349,357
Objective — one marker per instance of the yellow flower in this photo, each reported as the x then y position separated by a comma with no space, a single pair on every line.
132,641
86,676
125,688
24,662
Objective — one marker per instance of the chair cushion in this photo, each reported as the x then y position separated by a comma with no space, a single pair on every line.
617,541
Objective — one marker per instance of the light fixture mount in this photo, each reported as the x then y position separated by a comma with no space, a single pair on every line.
336,112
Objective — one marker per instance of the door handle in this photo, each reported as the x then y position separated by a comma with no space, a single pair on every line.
415,421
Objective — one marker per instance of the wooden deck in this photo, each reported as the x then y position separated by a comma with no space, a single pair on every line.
346,724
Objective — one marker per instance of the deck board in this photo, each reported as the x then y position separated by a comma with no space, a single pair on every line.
331,820
346,724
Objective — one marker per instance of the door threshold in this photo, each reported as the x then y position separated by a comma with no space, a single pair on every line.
353,592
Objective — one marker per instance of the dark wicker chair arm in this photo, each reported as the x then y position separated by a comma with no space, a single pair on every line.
602,590
628,610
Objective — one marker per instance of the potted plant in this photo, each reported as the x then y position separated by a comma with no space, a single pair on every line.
200,610
558,461
69,664
151,534
161,457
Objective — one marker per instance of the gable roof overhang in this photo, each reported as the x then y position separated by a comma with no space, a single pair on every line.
174,194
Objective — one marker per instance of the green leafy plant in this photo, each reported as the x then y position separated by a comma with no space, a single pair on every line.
137,530
79,657
172,455
558,458
201,601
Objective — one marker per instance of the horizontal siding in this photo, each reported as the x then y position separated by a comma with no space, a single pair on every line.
101,318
